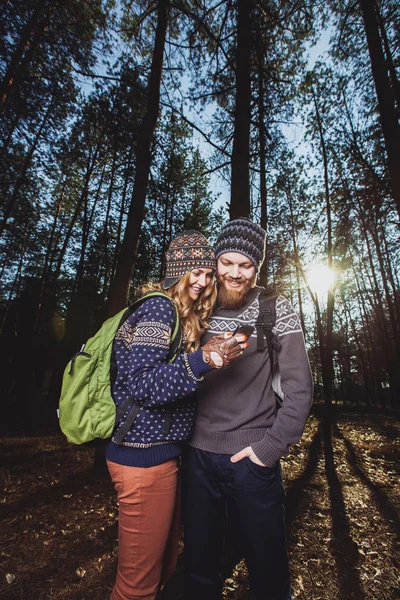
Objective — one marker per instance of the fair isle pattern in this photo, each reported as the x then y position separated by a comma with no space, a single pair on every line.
143,373
125,334
147,333
188,251
286,319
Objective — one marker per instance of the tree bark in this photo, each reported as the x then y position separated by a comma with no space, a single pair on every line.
385,96
9,207
119,289
328,374
263,174
91,164
296,257
240,178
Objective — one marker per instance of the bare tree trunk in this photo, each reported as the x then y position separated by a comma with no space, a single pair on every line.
87,220
168,201
263,174
394,286
119,288
240,179
16,283
9,207
389,58
328,375
361,352
387,342
122,212
385,95
107,273
80,203
45,272
368,329
296,257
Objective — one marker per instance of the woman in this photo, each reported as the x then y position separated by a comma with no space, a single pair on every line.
144,466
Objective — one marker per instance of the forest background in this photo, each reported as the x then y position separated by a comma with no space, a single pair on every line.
118,123
121,124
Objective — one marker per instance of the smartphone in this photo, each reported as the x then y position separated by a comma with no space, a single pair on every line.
246,330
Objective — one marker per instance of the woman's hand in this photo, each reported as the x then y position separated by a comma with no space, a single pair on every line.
221,350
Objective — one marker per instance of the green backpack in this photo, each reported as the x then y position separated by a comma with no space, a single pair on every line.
87,410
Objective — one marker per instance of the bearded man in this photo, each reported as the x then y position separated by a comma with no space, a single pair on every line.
231,469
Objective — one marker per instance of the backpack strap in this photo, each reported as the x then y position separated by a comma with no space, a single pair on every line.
265,323
123,430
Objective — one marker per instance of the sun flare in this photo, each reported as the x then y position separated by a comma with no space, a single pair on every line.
320,278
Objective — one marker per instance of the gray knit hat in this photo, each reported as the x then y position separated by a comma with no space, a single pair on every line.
188,251
244,236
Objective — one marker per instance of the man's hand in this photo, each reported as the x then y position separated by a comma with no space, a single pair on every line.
247,452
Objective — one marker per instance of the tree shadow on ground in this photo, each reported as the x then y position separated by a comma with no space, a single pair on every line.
293,492
232,553
387,509
343,548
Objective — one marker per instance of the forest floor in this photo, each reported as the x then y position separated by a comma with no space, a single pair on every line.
58,528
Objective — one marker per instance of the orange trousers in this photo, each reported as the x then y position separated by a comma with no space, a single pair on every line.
148,528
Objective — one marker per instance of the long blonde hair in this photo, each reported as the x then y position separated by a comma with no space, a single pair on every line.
194,314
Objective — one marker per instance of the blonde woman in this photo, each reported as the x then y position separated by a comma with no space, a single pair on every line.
144,463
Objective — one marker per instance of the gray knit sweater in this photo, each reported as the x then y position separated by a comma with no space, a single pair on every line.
236,406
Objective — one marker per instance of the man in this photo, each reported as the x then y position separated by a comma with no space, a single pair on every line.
232,466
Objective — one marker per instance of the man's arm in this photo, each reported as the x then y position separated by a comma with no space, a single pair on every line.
296,383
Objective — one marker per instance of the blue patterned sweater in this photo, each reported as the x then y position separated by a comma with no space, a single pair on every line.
164,391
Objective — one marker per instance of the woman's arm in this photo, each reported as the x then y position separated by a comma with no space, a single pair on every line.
142,347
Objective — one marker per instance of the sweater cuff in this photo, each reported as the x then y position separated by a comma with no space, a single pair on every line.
266,452
197,364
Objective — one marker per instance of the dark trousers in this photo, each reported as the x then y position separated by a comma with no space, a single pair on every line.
252,498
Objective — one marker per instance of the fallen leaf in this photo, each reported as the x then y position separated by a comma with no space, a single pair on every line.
80,572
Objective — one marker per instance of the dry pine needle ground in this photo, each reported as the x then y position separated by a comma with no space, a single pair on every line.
59,530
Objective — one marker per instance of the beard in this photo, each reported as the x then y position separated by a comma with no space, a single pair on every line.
228,298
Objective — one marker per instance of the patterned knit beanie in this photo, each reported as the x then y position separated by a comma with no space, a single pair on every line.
244,236
188,251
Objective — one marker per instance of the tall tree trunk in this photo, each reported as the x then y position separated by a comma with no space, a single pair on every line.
361,352
166,238
122,211
240,179
87,220
296,257
107,273
385,95
389,58
28,159
368,329
119,288
393,284
80,203
328,378
263,174
45,272
386,341
15,288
